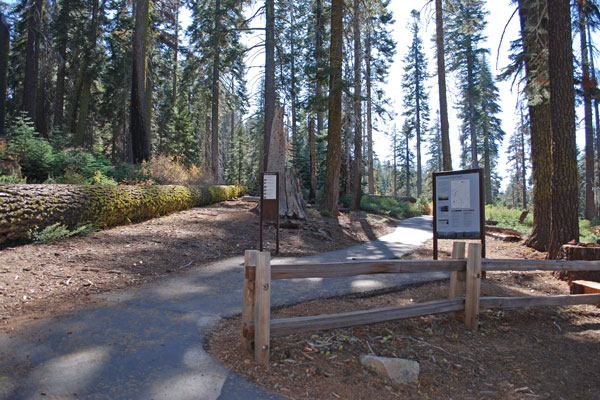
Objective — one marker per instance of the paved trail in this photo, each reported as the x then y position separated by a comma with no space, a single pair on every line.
147,343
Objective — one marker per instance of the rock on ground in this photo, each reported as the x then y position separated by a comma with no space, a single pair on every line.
398,370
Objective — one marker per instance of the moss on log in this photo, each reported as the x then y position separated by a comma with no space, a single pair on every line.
27,207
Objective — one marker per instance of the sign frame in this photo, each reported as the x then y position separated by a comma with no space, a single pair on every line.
460,184
269,206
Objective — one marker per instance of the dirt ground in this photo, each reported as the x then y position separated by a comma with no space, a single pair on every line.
39,280
546,353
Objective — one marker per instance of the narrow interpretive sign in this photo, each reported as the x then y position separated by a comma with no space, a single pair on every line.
270,186
269,203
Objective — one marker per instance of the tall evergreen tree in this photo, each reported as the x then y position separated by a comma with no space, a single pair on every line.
416,98
466,22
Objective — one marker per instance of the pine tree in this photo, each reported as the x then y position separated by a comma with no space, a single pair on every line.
466,22
416,98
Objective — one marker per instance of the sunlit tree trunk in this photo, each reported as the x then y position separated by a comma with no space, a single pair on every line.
564,218
441,73
139,126
334,129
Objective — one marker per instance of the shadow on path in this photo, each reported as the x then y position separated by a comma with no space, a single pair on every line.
147,342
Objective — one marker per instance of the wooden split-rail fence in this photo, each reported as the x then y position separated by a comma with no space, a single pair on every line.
258,327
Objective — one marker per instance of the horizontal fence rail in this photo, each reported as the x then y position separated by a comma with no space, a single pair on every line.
539,265
511,303
258,327
354,268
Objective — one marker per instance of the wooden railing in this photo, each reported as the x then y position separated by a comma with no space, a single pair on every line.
257,326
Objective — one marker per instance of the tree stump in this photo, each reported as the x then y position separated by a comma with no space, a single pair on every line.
579,252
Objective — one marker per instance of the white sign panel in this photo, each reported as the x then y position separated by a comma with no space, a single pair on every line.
270,187
457,205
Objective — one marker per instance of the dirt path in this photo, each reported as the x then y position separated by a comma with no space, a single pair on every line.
40,280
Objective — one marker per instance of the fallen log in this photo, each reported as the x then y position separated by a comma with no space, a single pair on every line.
24,208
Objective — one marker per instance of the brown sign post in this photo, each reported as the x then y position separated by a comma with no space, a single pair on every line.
269,203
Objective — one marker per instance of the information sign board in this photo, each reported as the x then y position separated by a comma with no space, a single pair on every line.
458,206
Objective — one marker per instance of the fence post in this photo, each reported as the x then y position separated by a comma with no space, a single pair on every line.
248,297
473,286
457,277
262,309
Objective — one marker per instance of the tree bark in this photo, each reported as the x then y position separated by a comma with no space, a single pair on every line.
32,58
564,219
269,76
587,85
4,51
441,73
535,43
357,178
139,126
334,129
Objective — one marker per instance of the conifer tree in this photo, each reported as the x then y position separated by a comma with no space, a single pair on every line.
416,98
466,22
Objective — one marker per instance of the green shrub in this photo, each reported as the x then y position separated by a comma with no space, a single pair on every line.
58,231
388,206
34,154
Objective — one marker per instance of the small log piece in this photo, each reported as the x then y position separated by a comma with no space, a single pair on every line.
579,252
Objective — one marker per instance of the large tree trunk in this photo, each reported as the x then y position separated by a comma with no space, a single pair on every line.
564,219
441,73
140,126
24,208
32,58
523,167
533,15
4,50
216,77
587,85
357,178
312,162
334,129
269,76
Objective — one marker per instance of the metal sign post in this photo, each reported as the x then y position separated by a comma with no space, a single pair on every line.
458,207
269,203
